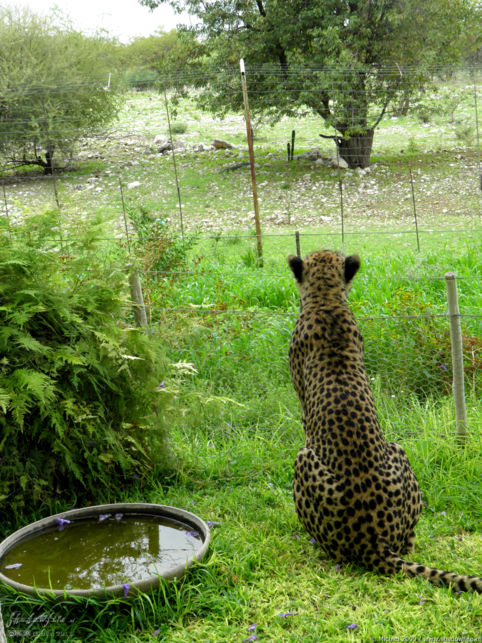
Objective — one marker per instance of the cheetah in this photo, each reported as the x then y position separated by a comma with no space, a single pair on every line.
354,492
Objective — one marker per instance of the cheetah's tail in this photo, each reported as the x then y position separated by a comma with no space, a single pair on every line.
458,582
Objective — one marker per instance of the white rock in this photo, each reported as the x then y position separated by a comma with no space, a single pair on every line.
338,161
134,184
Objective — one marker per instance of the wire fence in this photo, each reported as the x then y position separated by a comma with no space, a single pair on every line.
188,170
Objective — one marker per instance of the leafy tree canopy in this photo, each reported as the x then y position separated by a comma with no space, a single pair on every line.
160,55
53,84
343,59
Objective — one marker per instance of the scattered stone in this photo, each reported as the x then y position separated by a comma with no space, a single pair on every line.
312,155
218,144
134,184
202,147
338,161
236,166
164,147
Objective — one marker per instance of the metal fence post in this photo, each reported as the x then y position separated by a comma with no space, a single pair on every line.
457,355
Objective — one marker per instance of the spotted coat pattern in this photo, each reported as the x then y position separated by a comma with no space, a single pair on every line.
354,492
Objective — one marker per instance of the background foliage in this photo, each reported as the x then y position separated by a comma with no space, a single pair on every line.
52,85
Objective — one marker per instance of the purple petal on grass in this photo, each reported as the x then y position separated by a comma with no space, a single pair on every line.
252,627
352,626
443,513
253,637
13,566
296,537
118,517
444,368
161,385
285,614
213,523
313,541
103,517
156,633
126,587
270,484
420,599
62,522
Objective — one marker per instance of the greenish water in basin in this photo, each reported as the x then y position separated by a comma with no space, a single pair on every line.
96,553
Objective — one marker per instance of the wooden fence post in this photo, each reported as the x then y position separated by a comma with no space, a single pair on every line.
457,355
137,297
249,133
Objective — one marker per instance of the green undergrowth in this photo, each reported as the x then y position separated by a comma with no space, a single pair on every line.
80,411
261,567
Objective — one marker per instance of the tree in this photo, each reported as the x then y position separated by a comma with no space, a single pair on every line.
345,60
53,88
159,55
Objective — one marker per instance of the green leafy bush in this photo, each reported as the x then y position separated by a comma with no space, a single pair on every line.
141,78
81,408
156,245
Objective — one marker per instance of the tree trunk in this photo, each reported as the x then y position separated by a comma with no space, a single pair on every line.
48,166
356,149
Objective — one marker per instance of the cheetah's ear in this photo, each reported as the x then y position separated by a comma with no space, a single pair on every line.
296,265
352,264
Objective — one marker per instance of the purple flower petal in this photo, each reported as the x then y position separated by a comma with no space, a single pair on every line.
213,523
156,633
161,385
270,484
252,627
13,566
420,599
126,587
118,517
352,626
62,522
103,517
296,537
285,614
253,637
193,534
313,541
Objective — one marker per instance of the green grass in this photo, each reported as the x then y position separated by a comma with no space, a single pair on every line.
235,420
261,564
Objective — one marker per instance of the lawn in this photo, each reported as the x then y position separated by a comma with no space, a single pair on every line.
236,423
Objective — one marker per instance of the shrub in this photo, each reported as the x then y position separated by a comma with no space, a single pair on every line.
179,128
81,416
141,78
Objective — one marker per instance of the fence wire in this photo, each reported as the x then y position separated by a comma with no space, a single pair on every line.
423,186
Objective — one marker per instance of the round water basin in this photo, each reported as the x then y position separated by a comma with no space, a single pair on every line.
103,550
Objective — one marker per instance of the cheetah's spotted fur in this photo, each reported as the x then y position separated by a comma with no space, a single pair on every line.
354,492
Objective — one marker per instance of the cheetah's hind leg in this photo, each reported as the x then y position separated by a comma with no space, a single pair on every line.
317,498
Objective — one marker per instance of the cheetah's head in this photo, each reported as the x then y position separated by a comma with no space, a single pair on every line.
324,275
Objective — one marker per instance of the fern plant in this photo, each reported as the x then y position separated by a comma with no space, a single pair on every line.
81,414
